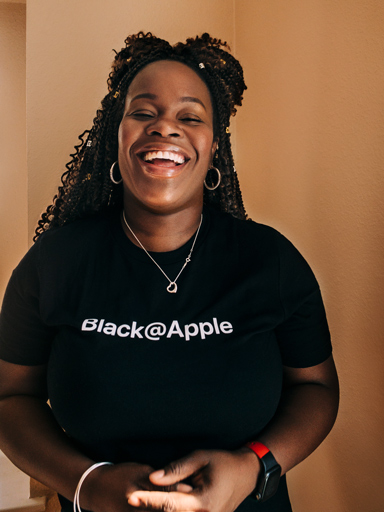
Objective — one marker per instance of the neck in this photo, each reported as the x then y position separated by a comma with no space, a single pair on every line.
161,232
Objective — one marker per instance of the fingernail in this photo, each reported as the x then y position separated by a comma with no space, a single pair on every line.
159,474
184,488
134,501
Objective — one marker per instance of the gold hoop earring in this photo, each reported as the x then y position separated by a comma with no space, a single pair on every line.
111,175
218,179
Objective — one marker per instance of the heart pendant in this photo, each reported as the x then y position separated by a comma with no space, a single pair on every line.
172,288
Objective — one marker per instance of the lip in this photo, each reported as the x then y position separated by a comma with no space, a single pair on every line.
159,146
158,170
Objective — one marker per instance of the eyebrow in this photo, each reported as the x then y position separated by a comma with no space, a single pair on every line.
183,99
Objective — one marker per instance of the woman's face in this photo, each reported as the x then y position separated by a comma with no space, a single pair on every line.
166,140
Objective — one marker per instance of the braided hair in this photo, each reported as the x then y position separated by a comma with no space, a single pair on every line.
86,186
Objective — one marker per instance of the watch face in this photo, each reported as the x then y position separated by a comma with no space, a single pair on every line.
269,478
271,482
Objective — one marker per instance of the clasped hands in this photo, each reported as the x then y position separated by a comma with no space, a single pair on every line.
219,482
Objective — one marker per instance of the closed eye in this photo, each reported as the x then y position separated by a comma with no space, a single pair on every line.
190,119
142,114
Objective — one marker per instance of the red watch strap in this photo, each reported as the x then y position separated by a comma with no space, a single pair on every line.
259,448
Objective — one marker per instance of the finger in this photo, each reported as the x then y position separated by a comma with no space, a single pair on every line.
165,501
180,469
180,487
183,488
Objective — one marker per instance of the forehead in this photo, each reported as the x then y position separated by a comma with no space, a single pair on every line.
172,78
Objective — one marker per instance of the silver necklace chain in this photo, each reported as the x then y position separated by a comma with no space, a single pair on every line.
172,287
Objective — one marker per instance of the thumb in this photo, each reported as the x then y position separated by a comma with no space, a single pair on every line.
180,469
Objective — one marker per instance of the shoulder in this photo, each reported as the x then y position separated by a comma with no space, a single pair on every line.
81,231
249,232
80,236
261,246
61,247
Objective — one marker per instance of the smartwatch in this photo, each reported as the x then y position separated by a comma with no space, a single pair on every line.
269,477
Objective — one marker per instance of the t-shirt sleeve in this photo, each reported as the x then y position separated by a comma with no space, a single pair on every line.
24,337
303,335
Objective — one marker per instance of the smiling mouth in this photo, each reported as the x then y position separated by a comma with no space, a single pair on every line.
163,158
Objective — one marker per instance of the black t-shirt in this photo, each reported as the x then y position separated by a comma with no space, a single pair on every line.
138,374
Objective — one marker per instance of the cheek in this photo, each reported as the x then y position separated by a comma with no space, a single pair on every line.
122,127
125,135
121,136
205,145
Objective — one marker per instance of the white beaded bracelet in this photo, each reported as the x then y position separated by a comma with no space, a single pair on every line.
76,499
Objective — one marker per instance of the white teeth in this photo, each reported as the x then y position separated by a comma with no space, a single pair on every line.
163,155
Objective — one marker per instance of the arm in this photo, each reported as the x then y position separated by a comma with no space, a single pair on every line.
306,413
222,480
30,436
32,439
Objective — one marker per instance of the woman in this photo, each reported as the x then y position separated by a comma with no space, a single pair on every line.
173,338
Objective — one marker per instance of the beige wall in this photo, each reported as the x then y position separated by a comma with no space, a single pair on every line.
13,160
310,156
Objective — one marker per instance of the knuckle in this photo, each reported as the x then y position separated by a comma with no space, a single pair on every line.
169,505
201,456
175,468
144,502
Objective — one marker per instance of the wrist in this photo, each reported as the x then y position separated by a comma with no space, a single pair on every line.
270,471
252,468
89,484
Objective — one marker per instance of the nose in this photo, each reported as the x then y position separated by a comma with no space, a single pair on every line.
164,127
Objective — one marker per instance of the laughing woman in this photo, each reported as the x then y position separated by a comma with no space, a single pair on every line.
184,349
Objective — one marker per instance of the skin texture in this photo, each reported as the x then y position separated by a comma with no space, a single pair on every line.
168,107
